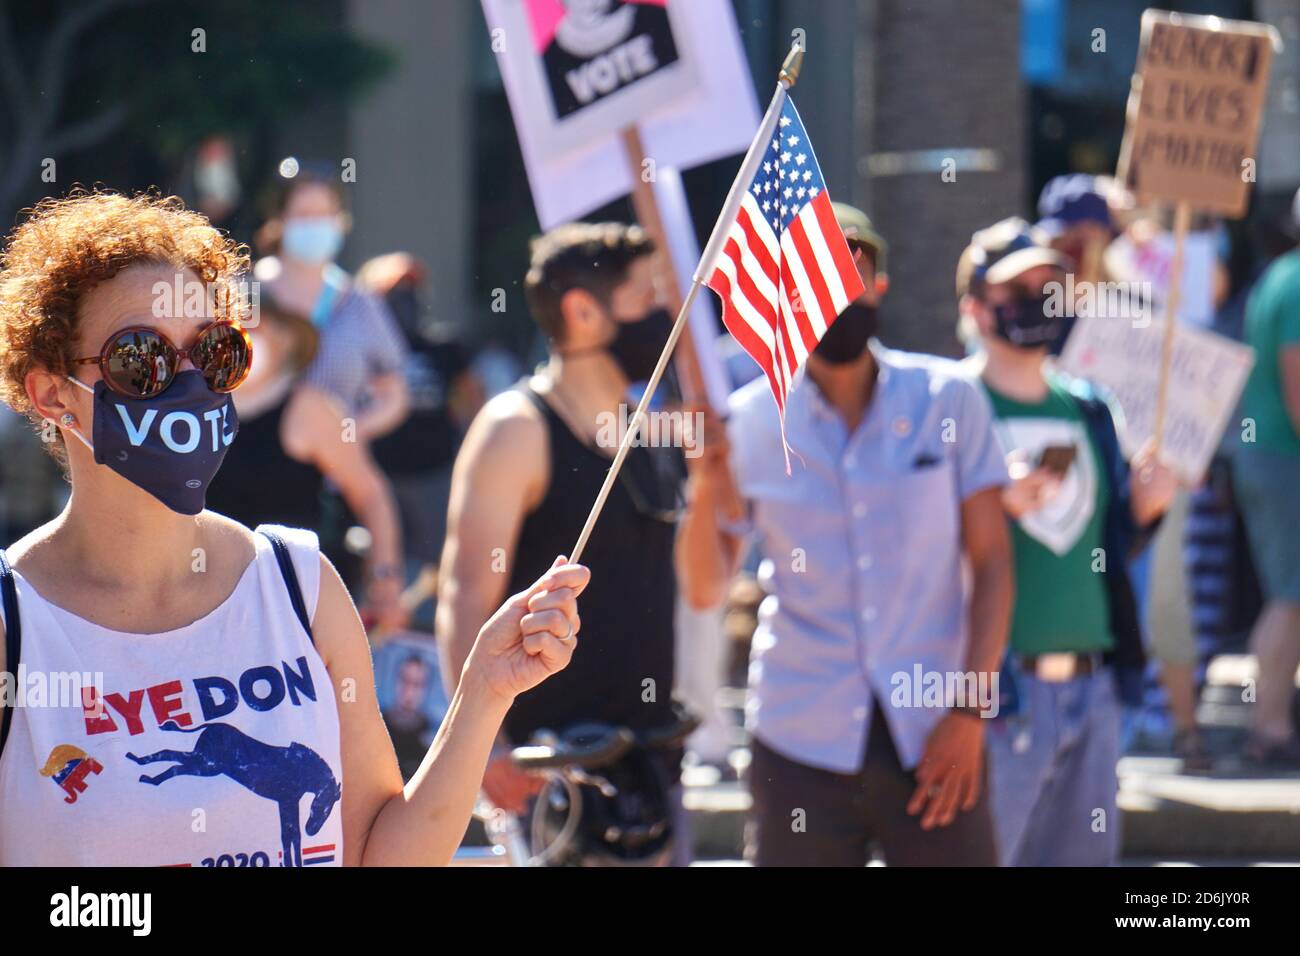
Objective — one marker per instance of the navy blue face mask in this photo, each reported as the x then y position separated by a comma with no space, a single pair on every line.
170,445
1027,321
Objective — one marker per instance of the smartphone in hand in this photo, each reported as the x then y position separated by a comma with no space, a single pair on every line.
1057,458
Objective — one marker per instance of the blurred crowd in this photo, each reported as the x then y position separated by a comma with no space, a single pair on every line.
365,356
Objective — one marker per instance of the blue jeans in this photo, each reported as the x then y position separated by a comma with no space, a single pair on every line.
1052,776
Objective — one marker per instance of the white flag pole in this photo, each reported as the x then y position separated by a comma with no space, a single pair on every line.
787,77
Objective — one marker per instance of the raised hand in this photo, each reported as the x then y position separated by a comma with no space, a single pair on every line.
532,635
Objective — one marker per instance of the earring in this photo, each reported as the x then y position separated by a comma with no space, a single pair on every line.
67,420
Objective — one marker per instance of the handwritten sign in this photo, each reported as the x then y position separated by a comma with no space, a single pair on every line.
1206,376
1194,110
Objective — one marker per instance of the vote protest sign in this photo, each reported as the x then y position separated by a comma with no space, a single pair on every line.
571,110
1194,110
600,129
577,69
1206,375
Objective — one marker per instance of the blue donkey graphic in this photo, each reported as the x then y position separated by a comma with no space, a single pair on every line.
281,774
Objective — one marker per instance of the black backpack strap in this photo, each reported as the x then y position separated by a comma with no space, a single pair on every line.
290,580
13,637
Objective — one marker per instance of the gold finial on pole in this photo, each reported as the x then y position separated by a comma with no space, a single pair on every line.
789,74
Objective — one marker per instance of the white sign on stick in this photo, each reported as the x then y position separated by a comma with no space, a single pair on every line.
578,69
578,72
1194,110
1149,263
1206,376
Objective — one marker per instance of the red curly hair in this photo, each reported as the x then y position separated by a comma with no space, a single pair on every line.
64,247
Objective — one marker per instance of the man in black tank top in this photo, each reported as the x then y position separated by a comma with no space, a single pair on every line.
527,475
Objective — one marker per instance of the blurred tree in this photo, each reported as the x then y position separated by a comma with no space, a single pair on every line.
74,73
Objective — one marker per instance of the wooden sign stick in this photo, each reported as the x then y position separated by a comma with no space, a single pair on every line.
686,360
1182,221
787,77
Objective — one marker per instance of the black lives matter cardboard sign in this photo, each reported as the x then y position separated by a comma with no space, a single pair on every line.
1194,111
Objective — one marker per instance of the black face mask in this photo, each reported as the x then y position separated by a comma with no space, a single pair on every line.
847,337
404,303
636,345
1025,322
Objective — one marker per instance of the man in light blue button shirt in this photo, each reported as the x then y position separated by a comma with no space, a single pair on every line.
895,485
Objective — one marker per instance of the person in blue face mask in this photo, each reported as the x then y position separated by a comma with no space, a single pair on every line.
216,650
362,351
362,358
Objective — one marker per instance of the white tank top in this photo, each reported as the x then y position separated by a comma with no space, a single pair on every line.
216,744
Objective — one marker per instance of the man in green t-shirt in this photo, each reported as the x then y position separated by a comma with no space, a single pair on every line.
1267,472
1075,510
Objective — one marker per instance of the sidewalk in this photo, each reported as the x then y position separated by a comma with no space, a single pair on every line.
1237,811
1233,815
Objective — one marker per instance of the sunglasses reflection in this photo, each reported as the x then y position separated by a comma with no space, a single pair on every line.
142,362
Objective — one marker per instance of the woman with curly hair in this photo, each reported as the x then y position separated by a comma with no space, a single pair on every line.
224,673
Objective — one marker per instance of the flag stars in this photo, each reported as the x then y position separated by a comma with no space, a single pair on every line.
789,180
786,180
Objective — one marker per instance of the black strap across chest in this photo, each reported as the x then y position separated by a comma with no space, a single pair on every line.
13,640
290,581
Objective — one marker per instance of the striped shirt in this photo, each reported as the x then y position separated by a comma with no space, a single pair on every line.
359,340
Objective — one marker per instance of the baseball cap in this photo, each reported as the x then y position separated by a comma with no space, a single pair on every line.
1069,200
1003,251
857,227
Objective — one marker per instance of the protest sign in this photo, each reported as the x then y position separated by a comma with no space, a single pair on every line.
1146,265
1206,375
1194,111
576,161
412,699
579,69
611,98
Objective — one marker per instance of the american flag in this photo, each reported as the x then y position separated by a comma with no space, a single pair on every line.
784,272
